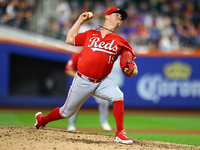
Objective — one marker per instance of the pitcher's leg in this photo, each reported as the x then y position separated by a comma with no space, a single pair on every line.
110,91
118,113
78,93
41,120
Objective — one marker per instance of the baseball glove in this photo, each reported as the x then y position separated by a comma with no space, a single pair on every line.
127,62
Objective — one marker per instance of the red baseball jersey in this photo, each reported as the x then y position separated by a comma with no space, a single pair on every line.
73,62
99,54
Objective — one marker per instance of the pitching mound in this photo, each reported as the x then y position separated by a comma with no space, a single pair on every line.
29,138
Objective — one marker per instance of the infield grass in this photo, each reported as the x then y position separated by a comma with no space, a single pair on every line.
131,121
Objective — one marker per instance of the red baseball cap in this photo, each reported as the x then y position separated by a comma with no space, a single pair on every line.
117,10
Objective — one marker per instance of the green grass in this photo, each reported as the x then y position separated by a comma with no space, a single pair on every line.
134,121
162,122
172,138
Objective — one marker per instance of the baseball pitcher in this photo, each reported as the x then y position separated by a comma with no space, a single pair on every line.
100,50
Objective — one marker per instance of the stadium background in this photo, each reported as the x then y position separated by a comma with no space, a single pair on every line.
164,34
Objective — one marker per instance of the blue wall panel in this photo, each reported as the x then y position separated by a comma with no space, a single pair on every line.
162,82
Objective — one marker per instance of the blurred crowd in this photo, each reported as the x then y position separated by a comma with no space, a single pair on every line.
164,25
16,13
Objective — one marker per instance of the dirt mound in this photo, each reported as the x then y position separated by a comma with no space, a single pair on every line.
29,138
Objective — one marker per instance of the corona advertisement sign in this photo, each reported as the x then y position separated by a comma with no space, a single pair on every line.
166,83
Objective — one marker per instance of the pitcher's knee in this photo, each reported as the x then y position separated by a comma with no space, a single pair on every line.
65,113
119,96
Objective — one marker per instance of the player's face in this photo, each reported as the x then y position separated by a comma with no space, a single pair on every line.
116,18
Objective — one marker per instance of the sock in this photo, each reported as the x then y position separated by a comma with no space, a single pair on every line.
118,112
52,116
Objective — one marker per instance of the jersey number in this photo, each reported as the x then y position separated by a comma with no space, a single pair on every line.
111,59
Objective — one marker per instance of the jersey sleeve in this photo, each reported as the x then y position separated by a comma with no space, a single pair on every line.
80,38
126,46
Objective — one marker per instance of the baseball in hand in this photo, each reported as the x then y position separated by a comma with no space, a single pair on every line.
90,14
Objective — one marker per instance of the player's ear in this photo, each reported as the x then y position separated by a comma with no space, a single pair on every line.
106,17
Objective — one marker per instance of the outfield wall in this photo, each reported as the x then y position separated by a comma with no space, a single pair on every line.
165,82
32,75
